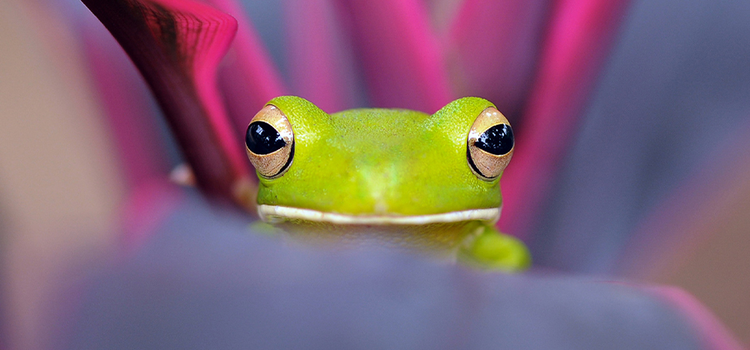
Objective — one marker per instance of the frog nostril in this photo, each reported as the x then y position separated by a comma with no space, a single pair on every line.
262,138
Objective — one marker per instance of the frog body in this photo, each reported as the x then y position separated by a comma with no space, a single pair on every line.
429,182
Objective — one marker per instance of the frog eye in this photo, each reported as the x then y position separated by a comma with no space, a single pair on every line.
490,144
269,142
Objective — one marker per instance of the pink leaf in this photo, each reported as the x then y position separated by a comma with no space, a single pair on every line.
177,45
319,67
577,44
132,121
248,79
492,50
399,54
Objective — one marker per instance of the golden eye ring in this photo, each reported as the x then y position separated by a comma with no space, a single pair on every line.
490,144
269,142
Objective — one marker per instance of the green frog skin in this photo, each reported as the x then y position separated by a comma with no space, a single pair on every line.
426,182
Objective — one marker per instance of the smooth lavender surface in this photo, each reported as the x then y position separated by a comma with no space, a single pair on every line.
206,281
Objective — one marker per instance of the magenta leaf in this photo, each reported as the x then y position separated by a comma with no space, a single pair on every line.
399,54
492,49
177,45
580,35
247,77
320,64
133,123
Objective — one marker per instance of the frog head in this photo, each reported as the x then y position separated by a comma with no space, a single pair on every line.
379,166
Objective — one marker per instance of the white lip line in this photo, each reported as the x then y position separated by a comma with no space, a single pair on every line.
277,213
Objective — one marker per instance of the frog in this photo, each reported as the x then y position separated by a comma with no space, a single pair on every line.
405,178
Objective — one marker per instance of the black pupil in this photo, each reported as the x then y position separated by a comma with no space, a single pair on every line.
497,140
262,138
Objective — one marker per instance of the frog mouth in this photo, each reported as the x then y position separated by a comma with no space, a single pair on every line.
276,213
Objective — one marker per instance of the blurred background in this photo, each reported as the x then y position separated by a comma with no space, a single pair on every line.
635,117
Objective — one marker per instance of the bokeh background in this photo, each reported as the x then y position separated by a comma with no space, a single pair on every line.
648,180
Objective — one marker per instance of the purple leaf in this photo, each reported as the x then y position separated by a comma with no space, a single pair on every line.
712,333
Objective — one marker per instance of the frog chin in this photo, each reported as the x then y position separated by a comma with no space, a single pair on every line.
276,214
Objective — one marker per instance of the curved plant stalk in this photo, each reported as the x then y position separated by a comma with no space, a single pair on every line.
177,45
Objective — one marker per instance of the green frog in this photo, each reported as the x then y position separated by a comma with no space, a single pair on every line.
427,182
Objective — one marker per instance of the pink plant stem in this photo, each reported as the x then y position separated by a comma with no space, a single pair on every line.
247,78
579,38
317,67
400,55
492,49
